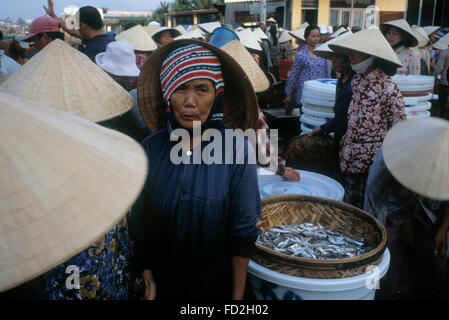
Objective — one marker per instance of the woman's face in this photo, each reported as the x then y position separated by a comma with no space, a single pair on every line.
393,36
193,101
337,61
356,58
314,37
165,38
433,37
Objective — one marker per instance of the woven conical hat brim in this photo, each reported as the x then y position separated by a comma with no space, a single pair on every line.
404,26
150,30
338,32
181,29
248,39
138,38
420,34
65,182
209,27
195,34
285,36
260,34
324,51
256,76
368,41
240,101
63,78
431,29
298,33
416,153
174,32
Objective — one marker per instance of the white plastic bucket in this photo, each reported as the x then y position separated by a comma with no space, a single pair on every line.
271,285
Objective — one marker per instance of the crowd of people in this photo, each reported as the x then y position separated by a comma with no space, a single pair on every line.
192,230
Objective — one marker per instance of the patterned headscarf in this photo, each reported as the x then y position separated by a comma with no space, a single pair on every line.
185,64
188,63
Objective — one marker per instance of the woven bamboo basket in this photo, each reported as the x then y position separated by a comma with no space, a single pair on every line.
338,217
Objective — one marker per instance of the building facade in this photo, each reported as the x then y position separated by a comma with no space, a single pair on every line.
290,14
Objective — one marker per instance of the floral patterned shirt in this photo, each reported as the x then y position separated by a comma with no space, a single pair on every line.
375,107
410,61
305,68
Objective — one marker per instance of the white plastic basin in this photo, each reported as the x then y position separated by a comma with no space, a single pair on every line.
267,284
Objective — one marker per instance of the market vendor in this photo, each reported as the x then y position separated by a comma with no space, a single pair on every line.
376,105
194,225
165,35
408,191
401,37
342,66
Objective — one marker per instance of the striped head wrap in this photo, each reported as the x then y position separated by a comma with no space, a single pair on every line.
188,63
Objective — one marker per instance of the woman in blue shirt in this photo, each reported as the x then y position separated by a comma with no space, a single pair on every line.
306,66
194,224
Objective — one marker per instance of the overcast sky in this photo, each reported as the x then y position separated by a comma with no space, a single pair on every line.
30,9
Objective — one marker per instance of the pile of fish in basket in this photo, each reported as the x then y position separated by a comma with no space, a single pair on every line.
312,241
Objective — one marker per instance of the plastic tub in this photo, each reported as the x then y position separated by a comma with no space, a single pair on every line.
271,285
422,106
311,183
312,121
410,101
414,83
315,113
417,114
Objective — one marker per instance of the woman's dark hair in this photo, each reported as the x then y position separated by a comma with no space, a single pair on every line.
388,67
16,51
309,29
90,16
274,34
1,35
407,39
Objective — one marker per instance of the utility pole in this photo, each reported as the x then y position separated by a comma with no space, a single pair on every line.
420,12
263,10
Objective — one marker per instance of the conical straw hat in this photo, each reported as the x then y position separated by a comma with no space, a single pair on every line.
443,43
65,182
299,33
65,79
240,101
285,36
138,38
404,26
150,30
193,28
339,32
248,39
431,29
416,153
174,33
420,34
256,76
195,34
271,19
368,41
181,29
260,34
324,51
210,26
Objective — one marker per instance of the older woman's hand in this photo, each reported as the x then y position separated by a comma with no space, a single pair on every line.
291,175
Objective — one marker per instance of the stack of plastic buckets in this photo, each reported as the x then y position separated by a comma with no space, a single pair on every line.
318,99
417,93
